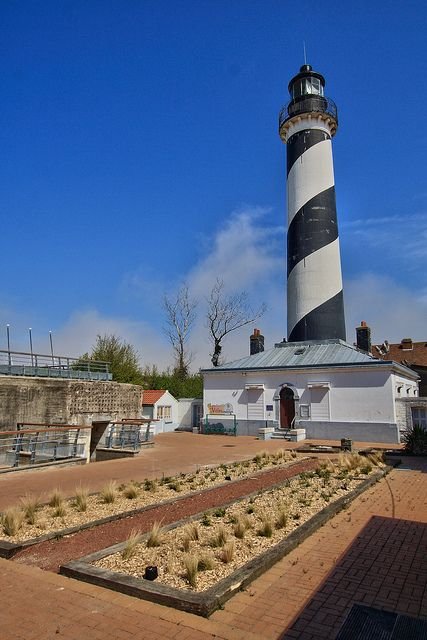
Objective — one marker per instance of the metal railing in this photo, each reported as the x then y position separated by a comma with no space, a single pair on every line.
128,434
21,363
308,104
27,447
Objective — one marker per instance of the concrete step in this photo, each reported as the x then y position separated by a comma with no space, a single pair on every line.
277,435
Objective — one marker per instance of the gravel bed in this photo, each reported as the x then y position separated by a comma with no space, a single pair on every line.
164,489
299,498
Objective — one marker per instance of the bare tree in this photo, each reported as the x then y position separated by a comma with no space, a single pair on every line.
180,316
226,313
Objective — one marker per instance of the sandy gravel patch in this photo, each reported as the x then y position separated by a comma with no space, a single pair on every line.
281,509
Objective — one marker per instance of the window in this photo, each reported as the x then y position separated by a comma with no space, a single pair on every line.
319,404
255,404
164,412
419,416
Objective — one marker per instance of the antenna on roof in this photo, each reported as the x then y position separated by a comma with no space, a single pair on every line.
305,53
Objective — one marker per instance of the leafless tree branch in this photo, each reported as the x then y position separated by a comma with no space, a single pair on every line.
225,314
180,316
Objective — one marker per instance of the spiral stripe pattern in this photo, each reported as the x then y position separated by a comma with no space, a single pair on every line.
315,298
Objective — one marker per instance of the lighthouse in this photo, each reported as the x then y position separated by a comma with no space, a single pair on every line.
307,125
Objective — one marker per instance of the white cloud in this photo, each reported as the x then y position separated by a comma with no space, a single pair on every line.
79,333
391,310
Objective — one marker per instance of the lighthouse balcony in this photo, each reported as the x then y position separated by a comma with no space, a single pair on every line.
308,104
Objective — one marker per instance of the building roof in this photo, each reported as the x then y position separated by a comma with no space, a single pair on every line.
297,355
406,352
151,396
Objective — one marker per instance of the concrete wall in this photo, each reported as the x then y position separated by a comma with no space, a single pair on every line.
65,401
185,411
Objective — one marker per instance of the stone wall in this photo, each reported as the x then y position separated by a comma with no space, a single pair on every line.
404,410
65,401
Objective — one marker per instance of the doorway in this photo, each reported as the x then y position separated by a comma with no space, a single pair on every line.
287,408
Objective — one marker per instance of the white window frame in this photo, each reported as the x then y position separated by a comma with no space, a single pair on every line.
164,412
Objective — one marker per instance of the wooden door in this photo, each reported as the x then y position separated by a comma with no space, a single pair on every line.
287,408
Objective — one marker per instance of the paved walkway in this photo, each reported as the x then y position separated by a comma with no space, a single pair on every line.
173,453
322,577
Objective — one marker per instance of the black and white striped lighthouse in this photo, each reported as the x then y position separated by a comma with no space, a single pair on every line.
315,297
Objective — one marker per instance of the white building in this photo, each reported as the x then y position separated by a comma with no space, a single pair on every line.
160,405
190,412
328,387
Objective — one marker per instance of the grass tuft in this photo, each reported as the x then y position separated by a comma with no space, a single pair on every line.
30,506
60,510
206,562
131,491
191,566
56,499
241,526
192,530
282,517
11,520
155,537
219,537
132,542
266,528
80,499
227,551
109,492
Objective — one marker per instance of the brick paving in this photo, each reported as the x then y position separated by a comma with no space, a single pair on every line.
305,595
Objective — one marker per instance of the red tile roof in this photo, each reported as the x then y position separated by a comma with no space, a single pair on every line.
151,396
400,353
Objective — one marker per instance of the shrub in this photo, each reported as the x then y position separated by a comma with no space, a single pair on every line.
30,506
206,520
415,440
150,485
80,499
227,551
132,542
366,469
191,567
175,486
11,520
155,537
219,513
130,491
109,492
56,499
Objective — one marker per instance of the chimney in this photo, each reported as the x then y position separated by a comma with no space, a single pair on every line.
406,344
256,342
363,337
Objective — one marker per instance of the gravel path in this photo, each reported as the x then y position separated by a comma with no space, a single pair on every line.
51,554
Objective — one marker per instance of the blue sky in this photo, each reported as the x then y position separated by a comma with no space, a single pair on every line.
140,150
